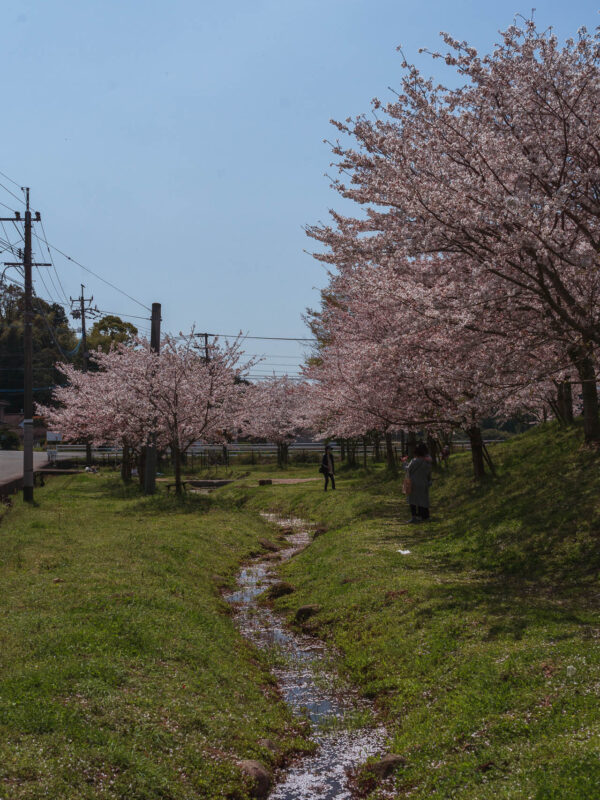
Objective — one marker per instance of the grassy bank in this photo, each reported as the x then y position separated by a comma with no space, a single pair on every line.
481,645
121,674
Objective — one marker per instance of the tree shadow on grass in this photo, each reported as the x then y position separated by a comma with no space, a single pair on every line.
159,503
508,610
187,503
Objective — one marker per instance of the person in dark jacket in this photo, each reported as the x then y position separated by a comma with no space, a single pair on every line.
419,472
328,467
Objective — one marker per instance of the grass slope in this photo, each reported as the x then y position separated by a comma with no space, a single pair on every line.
121,673
481,646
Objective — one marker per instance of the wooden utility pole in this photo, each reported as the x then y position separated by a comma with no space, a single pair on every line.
81,313
27,266
150,465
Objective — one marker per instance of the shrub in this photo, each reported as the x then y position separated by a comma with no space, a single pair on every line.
9,439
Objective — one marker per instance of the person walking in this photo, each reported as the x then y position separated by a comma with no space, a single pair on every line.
328,467
418,471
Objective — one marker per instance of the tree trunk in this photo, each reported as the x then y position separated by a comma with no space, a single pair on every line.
568,391
177,467
125,465
565,401
282,455
411,444
432,446
474,434
488,460
389,453
351,447
377,448
365,452
88,454
403,443
587,375
342,449
142,466
563,405
591,420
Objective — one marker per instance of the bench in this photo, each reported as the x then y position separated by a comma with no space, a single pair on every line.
173,486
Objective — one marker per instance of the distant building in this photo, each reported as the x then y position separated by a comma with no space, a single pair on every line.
15,423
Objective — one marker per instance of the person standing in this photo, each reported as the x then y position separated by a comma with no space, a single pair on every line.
418,472
328,467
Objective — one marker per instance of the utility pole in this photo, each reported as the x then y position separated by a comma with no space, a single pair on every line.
27,265
150,465
81,313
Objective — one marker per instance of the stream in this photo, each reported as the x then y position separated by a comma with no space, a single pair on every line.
342,723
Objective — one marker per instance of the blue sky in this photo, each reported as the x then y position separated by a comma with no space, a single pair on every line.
176,148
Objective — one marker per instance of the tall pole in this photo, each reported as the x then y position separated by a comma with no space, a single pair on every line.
27,266
82,302
28,362
150,466
86,355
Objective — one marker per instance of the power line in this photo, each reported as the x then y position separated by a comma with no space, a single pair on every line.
265,338
6,189
4,175
273,355
52,332
95,274
62,253
51,259
5,206
44,284
262,338
253,377
277,364
117,314
12,280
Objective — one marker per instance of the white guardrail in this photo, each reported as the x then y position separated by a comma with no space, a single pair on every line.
109,454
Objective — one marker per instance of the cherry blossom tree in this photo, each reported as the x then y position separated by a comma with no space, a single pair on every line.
502,174
399,351
275,410
180,395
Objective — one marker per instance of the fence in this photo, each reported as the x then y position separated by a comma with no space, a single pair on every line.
203,456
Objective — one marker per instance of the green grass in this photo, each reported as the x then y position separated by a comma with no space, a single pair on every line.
121,672
465,643
122,675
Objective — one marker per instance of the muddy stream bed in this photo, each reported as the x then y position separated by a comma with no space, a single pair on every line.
342,724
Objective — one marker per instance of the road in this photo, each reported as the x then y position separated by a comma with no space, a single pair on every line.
11,464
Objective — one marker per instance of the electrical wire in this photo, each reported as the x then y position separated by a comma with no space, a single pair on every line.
66,355
12,280
20,199
8,207
95,274
263,338
51,259
4,175
10,246
41,275
117,314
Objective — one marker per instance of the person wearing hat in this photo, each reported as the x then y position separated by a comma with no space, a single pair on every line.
327,467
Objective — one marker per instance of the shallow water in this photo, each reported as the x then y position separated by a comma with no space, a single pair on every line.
308,683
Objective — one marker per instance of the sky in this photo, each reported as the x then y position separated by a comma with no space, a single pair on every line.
176,148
